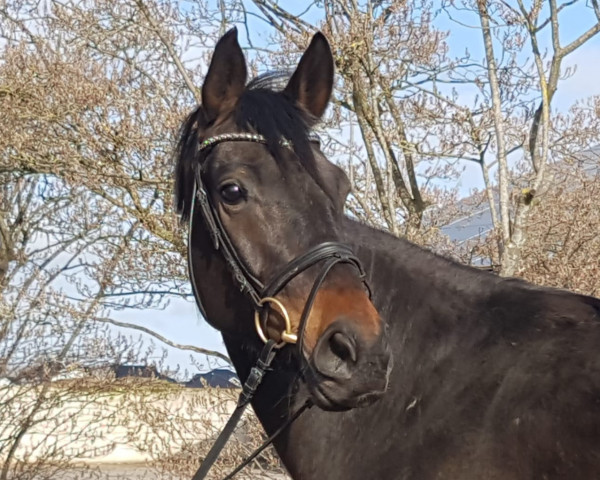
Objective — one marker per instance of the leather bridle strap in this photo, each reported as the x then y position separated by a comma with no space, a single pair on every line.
331,252
269,440
248,390
342,253
311,300
250,385
248,283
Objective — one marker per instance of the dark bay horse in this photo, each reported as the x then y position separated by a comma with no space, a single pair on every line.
440,371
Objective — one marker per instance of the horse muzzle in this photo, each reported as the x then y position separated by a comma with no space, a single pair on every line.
347,371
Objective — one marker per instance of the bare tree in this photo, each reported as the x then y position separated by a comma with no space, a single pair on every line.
561,247
91,102
92,107
412,105
529,24
385,124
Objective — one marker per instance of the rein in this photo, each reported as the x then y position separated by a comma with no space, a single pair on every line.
250,385
261,296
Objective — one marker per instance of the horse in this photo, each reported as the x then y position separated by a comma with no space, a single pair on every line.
417,367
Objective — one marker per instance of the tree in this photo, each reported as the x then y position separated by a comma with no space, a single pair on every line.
561,247
90,113
413,104
388,122
92,109
523,29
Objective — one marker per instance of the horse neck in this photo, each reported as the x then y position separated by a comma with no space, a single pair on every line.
420,295
401,273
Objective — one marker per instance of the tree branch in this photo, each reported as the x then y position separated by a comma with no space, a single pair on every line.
164,340
498,120
171,50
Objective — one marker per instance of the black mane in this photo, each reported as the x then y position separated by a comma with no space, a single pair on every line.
262,108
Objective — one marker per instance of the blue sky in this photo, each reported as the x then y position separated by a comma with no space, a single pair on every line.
464,35
182,323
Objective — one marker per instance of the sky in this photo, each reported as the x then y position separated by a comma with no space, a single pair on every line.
181,321
464,35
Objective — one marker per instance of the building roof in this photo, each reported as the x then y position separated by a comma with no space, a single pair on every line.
477,223
219,377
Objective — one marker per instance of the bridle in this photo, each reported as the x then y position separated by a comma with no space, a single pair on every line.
262,296
259,293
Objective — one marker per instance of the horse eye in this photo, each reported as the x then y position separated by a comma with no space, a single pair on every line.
232,193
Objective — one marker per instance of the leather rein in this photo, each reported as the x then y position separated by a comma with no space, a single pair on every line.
262,296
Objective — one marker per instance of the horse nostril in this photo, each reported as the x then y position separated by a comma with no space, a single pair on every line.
343,347
348,368
336,353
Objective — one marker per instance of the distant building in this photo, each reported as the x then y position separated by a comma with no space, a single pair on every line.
473,225
476,222
219,377
42,370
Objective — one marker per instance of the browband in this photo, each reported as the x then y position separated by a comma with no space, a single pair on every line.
248,137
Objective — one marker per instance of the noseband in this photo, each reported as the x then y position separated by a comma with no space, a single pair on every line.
261,295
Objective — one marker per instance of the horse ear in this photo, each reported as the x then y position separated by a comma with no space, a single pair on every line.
311,84
226,77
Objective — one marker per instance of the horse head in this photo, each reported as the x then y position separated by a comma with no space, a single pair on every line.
274,202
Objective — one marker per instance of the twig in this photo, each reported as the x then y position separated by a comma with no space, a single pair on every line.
166,341
169,46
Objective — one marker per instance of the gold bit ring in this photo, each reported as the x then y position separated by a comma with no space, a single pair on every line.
287,336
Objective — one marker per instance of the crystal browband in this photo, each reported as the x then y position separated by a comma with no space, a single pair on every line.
247,137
